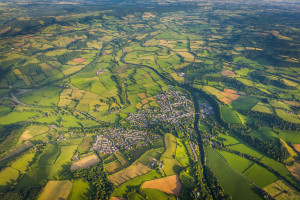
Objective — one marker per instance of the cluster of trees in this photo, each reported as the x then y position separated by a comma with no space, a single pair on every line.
10,136
97,177
273,120
26,194
279,153
216,188
201,189
66,57
262,77
78,44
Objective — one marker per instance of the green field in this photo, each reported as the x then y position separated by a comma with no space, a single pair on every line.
267,134
239,163
14,117
246,150
289,136
260,175
123,189
229,115
156,195
244,103
80,190
234,184
228,139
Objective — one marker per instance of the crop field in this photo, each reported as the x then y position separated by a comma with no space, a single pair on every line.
239,163
229,179
134,170
85,162
85,145
123,189
122,159
169,185
113,167
295,170
56,190
33,131
280,190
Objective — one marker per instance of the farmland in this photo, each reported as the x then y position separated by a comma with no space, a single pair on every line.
149,100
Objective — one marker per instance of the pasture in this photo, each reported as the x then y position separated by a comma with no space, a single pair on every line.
229,115
80,190
239,163
7,176
229,179
243,148
155,194
260,175
85,145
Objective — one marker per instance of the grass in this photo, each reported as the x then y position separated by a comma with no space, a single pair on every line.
113,167
290,117
80,190
170,143
227,139
123,189
14,117
260,175
7,176
22,162
280,168
234,184
239,163
265,133
85,145
230,115
246,150
147,158
244,103
262,107
56,190
181,154
154,194
289,136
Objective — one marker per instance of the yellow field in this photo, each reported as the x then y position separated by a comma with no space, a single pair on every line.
113,167
56,190
176,77
169,185
73,69
135,170
85,162
280,190
186,55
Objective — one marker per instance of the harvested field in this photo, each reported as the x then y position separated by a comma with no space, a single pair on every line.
227,73
297,147
85,162
25,136
295,170
56,190
142,95
135,170
170,185
280,190
117,198
226,100
293,103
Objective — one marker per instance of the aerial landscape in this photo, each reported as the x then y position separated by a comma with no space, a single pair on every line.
156,100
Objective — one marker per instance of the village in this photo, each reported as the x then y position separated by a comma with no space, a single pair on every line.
112,140
175,108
